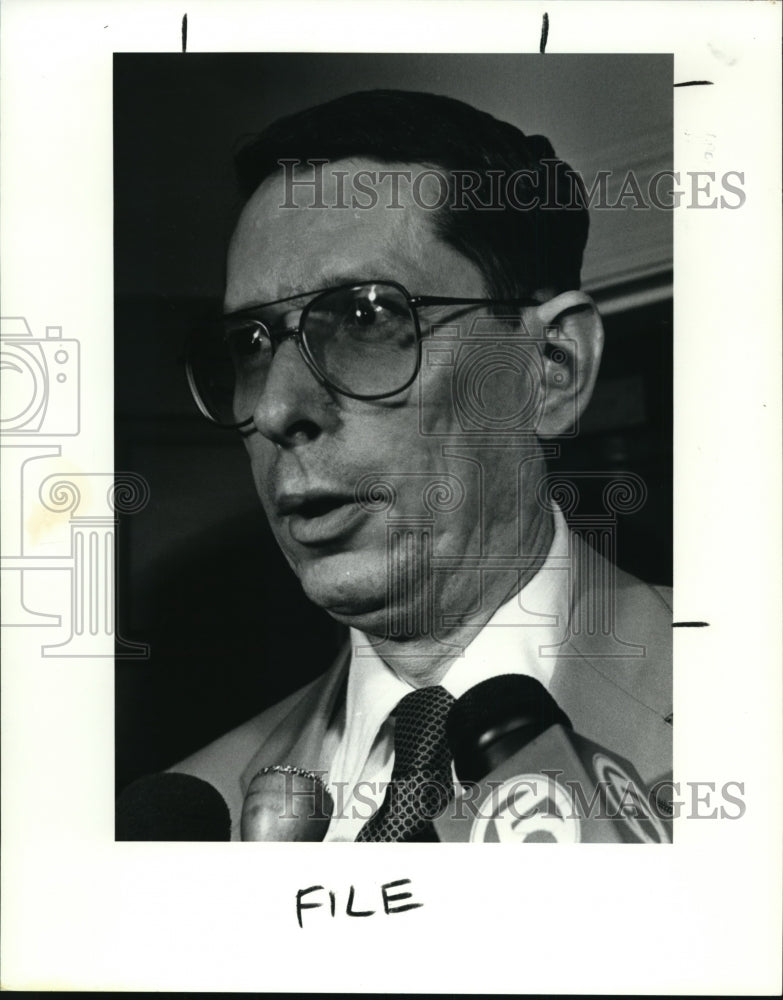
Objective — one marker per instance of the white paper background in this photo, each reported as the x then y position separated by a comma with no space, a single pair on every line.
700,917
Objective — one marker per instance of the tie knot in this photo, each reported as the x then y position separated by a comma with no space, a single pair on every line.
420,730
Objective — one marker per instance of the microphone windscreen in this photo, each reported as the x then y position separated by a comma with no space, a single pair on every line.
495,718
171,806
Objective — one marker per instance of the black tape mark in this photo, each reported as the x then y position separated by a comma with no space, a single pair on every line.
544,34
695,83
185,33
690,624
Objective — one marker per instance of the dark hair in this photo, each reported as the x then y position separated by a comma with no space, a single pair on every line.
517,250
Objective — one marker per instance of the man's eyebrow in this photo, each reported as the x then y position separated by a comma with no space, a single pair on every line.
334,279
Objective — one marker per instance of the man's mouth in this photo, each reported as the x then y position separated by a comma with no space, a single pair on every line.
319,517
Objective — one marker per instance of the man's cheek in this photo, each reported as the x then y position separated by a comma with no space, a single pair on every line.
435,406
262,479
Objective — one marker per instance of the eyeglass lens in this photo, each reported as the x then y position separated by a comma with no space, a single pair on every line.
362,340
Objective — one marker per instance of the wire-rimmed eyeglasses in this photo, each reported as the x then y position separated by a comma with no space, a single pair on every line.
361,339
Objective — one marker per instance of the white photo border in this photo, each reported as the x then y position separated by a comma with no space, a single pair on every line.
81,911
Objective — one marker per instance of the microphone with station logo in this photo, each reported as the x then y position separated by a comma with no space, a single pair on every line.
527,777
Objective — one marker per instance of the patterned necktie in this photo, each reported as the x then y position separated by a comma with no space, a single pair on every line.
421,782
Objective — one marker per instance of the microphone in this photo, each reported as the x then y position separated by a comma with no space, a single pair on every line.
171,806
286,803
529,778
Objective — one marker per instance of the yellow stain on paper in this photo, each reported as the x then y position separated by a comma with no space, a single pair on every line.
42,522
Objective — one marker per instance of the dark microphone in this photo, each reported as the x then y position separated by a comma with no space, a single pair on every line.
286,803
529,778
171,806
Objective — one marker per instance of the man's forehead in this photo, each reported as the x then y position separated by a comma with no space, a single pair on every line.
302,183
293,238
340,193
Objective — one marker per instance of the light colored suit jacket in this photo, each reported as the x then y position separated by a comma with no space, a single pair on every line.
612,677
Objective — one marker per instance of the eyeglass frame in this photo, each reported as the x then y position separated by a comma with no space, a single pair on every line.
414,302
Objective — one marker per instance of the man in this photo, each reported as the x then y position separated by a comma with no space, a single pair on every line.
403,333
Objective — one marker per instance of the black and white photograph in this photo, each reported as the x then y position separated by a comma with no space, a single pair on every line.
474,510
391,456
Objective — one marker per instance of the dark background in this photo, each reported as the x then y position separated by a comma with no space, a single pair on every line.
200,578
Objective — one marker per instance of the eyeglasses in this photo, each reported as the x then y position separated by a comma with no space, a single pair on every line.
361,340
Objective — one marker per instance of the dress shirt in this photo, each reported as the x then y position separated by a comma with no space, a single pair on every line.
362,765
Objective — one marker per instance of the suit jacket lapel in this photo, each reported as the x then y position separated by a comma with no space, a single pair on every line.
620,701
301,736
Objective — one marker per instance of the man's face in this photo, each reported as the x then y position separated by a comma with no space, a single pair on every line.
310,446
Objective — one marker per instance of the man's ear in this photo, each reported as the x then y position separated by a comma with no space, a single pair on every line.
573,340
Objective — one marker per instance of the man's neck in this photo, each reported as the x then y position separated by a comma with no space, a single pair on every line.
424,659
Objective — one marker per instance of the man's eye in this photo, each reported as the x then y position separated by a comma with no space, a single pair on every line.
247,344
365,313
371,317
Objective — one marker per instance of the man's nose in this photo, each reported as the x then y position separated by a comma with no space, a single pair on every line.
293,407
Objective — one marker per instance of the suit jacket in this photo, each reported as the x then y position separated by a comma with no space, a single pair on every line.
612,677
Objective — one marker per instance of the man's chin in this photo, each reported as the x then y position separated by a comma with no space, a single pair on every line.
352,594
